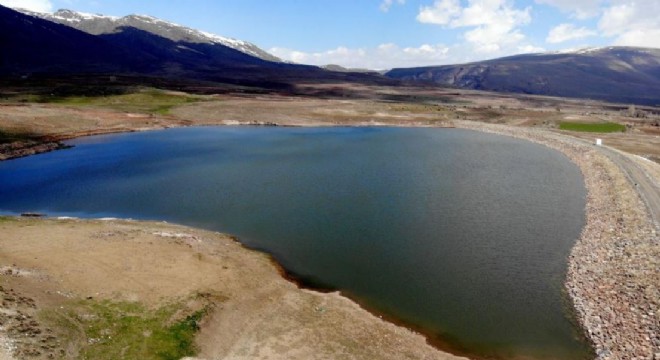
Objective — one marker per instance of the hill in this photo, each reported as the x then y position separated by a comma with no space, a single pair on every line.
615,74
96,24
31,44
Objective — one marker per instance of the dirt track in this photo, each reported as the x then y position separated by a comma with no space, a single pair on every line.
647,186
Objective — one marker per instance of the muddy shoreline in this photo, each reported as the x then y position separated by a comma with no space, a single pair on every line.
616,225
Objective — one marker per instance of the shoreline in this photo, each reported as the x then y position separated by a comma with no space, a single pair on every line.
438,342
583,270
254,308
612,276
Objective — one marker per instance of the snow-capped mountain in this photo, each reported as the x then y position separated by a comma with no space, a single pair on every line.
96,24
143,48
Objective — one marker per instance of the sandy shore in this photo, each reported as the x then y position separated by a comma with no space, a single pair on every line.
612,277
52,265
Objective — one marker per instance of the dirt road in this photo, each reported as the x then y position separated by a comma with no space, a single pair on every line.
646,184
647,187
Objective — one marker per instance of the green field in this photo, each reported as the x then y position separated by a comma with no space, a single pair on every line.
123,330
136,100
150,101
11,136
596,128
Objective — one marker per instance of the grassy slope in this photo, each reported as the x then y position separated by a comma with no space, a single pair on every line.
126,330
149,101
8,136
597,128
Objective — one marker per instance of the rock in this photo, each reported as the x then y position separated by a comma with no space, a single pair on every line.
32,214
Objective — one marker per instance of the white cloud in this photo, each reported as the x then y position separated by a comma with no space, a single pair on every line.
493,39
495,23
387,4
530,49
619,18
632,23
581,9
566,32
625,22
385,56
641,38
34,5
440,13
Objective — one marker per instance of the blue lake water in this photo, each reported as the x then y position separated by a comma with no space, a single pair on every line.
461,234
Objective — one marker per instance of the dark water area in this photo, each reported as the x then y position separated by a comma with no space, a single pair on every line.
463,234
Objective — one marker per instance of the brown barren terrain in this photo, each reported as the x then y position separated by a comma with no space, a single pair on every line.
252,312
256,313
332,105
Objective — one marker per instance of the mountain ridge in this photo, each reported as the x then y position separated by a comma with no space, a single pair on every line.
69,42
616,74
97,24
33,46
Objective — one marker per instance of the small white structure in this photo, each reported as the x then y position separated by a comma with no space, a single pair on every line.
599,142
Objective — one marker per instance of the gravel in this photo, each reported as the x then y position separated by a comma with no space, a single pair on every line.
6,346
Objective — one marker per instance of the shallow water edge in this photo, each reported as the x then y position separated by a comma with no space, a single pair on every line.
550,140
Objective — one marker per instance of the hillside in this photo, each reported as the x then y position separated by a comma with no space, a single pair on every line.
616,74
141,46
100,24
29,44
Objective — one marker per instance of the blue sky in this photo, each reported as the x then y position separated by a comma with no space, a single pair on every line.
382,34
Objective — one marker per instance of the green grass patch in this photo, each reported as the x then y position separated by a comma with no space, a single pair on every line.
597,128
122,330
11,136
21,98
147,101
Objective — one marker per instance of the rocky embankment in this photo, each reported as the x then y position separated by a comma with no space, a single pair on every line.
613,277
25,148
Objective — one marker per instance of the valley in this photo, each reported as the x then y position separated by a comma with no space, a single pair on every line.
88,285
529,117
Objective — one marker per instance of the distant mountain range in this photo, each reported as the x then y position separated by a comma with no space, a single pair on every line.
67,42
335,67
100,24
617,74
29,44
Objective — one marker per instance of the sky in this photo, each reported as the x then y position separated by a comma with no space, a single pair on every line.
384,34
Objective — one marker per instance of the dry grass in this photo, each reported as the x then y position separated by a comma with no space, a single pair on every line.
324,104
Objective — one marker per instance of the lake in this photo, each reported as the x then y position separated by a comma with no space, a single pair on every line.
461,234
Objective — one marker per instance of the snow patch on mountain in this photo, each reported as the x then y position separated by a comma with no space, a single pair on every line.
73,16
98,24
